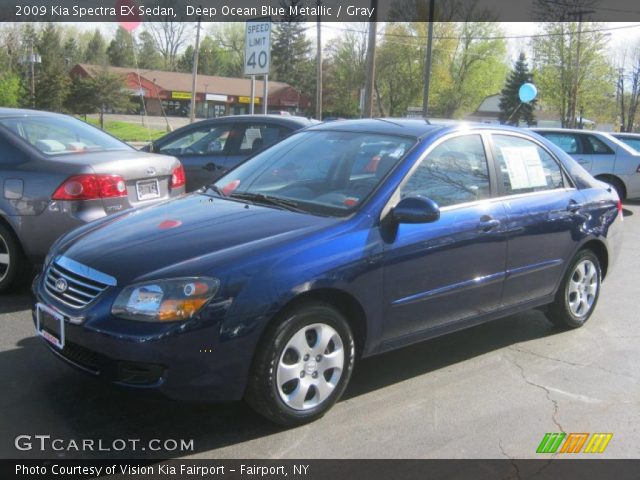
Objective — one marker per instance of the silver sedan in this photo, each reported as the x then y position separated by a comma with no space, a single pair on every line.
57,173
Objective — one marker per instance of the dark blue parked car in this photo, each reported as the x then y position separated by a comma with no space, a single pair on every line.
268,285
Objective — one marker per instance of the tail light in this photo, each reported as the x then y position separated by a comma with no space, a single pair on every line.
619,207
91,187
177,177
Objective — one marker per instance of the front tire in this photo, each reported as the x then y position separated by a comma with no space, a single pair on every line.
12,261
578,294
302,365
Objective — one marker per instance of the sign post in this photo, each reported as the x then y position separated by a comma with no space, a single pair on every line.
257,56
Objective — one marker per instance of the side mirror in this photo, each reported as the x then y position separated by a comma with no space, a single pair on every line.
416,210
147,148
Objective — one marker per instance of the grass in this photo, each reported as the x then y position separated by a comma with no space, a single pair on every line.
129,132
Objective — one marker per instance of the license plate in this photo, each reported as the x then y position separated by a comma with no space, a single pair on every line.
50,325
148,189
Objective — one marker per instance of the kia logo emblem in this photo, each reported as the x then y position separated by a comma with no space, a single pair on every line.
151,171
61,285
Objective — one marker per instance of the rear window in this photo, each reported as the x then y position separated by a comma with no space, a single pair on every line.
61,135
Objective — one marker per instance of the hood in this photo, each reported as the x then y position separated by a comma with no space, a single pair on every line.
156,238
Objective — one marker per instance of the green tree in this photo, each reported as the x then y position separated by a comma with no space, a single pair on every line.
10,90
99,92
185,61
52,80
148,55
572,69
230,40
511,109
95,53
343,74
292,61
120,50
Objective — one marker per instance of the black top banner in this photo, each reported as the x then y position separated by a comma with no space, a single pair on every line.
314,10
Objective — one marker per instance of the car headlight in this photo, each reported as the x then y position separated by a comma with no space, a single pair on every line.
170,300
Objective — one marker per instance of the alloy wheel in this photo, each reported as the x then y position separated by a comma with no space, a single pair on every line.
5,260
582,288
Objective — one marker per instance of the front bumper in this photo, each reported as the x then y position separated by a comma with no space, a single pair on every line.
185,361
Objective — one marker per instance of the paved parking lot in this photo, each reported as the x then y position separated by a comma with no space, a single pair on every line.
489,392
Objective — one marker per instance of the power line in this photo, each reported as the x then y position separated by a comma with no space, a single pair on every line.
493,37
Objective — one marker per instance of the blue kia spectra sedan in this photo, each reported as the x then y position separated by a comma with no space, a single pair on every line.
344,240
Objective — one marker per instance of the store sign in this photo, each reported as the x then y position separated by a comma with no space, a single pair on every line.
248,100
257,47
181,95
216,97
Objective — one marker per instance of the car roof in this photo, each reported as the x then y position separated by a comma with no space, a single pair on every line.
398,126
279,119
566,130
625,134
24,112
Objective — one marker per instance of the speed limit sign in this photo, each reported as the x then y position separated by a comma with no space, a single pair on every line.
257,47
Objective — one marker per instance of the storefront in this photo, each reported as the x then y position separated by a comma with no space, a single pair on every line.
169,93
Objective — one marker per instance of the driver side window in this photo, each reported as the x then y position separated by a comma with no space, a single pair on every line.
456,171
205,140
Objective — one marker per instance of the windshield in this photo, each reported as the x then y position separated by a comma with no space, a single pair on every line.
61,135
321,172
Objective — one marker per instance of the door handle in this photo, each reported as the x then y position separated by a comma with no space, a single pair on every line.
582,161
487,224
574,206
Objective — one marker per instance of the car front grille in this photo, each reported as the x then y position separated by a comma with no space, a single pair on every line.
74,284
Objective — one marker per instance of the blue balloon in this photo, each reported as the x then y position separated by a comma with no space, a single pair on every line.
527,92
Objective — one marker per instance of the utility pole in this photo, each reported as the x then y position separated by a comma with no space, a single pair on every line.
427,63
573,101
194,75
319,66
621,96
371,63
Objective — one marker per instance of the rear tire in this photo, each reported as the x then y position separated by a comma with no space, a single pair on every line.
13,264
302,365
578,294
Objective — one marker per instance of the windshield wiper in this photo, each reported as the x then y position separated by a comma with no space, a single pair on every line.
268,200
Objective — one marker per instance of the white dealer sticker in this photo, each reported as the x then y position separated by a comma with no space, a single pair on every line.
524,167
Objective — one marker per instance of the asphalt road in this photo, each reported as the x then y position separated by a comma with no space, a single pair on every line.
489,392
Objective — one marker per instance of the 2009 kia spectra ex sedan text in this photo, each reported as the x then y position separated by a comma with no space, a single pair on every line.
344,240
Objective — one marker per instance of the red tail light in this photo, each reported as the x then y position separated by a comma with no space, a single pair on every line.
91,187
177,177
619,207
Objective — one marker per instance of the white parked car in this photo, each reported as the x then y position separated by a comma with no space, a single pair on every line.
605,157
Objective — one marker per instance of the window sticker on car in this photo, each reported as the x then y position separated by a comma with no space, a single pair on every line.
524,167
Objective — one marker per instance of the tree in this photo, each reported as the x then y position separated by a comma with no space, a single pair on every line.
169,37
98,92
52,80
185,61
230,38
343,74
148,56
628,93
511,108
95,52
120,51
572,69
292,61
10,90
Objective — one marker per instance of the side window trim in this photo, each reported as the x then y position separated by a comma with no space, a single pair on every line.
569,184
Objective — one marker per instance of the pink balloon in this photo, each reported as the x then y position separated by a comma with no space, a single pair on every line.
127,14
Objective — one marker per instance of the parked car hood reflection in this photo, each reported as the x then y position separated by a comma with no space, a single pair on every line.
173,233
